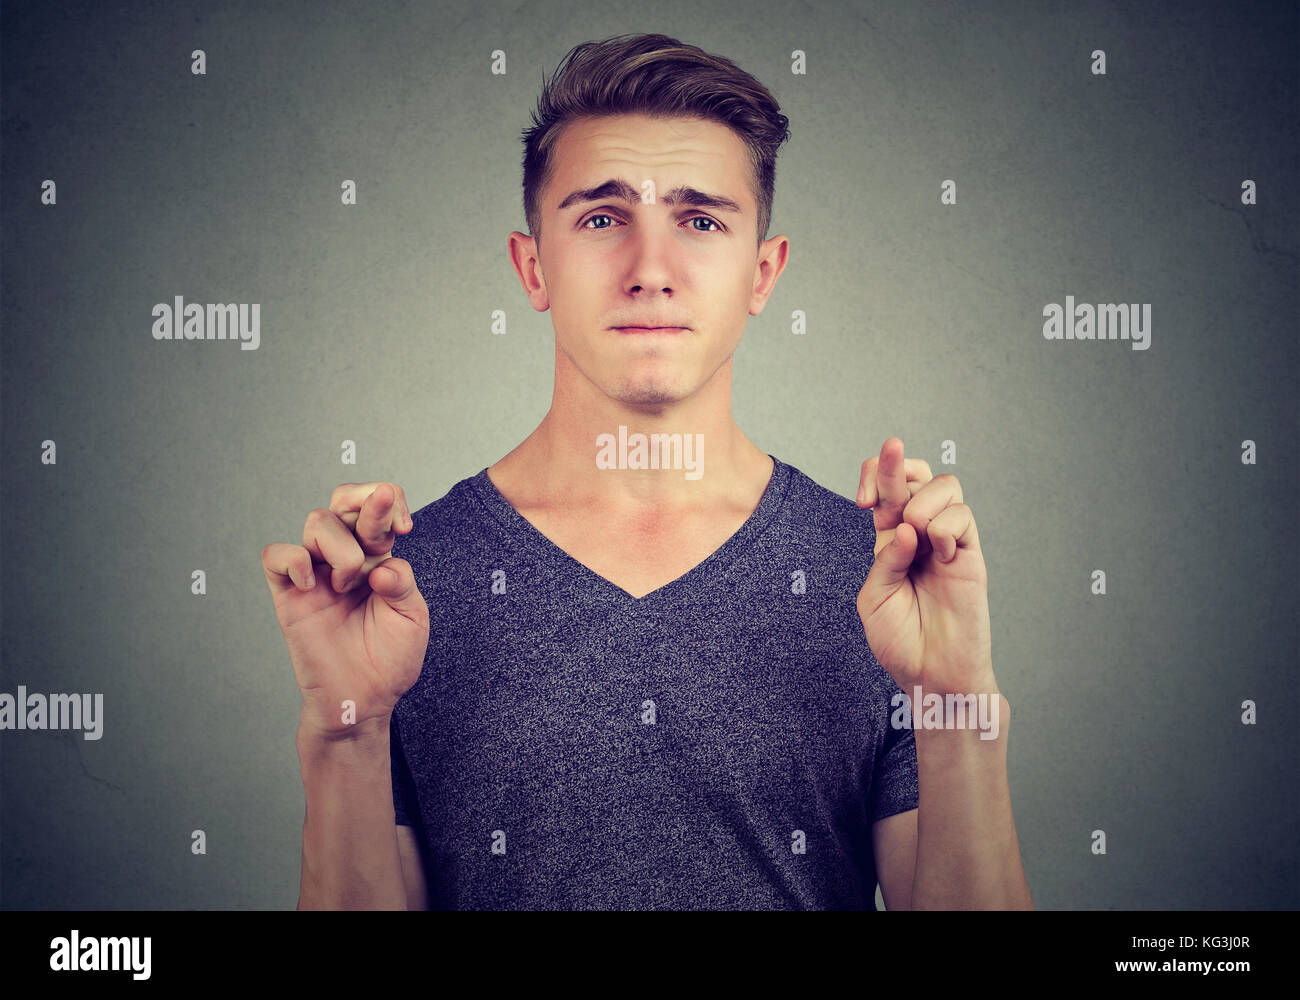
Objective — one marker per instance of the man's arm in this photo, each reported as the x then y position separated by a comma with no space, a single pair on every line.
893,841
408,849
350,858
967,854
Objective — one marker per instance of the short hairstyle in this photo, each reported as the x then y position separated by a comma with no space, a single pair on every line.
660,76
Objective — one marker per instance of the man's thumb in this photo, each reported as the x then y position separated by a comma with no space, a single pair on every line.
394,581
895,560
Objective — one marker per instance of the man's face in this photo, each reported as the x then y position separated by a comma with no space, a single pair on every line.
612,258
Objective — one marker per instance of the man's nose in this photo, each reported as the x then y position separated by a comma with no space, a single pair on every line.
651,261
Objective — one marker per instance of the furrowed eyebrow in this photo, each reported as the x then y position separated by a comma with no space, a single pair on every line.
621,190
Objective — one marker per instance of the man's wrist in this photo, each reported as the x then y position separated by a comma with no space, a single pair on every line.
315,740
980,722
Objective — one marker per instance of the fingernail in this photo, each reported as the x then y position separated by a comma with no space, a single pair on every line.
311,581
862,494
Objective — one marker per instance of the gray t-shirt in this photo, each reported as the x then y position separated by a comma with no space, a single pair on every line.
722,742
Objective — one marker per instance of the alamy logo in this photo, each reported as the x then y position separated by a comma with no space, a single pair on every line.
59,711
93,954
215,321
947,711
654,451
1105,321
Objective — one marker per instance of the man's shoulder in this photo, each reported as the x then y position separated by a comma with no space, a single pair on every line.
443,525
825,513
450,504
825,532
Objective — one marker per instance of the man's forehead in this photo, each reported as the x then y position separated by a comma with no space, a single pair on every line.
653,129
651,141
691,161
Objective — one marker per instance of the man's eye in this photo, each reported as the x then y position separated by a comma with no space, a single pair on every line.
716,227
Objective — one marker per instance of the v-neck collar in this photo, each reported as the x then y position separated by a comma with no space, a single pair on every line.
520,529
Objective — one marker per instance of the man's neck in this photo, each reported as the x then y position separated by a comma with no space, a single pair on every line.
556,465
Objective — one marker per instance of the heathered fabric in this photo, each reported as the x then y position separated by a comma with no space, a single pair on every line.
662,752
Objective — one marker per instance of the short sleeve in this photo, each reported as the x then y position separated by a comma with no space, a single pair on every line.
894,787
405,807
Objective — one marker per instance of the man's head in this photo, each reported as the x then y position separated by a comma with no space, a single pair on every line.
648,178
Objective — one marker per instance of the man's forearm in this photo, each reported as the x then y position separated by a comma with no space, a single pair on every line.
349,835
967,852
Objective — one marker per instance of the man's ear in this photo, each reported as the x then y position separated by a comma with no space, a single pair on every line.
525,256
772,256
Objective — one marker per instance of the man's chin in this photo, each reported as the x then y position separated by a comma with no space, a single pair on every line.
650,397
650,393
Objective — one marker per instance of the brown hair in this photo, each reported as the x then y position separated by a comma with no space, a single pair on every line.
660,76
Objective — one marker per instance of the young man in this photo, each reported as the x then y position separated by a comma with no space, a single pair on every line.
601,675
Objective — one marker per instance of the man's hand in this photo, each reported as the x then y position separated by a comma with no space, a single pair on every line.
355,623
924,605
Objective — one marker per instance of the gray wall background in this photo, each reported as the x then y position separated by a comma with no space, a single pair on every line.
924,322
